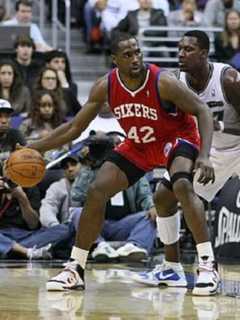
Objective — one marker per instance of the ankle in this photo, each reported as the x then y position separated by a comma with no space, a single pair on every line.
80,256
173,264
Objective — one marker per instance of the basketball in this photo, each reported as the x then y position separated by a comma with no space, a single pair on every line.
25,167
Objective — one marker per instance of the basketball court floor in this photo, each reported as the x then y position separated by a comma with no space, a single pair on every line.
110,295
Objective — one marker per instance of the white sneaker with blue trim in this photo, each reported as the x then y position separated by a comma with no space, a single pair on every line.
163,274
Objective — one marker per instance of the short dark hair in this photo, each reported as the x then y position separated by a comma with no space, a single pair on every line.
202,38
118,37
24,40
26,3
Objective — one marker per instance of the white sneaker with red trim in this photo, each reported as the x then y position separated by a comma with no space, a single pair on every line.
71,278
208,280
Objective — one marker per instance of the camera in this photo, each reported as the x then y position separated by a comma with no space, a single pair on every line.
99,148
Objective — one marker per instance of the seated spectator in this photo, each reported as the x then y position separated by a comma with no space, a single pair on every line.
58,61
48,79
186,16
215,11
45,116
130,215
145,16
101,16
26,65
9,137
227,43
18,220
18,210
12,88
56,206
24,17
94,35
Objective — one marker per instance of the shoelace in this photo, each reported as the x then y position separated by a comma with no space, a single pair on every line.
67,274
159,267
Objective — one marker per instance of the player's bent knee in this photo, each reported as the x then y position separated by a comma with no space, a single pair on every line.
165,201
97,192
182,184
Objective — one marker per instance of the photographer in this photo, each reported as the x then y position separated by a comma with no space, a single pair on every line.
129,214
20,235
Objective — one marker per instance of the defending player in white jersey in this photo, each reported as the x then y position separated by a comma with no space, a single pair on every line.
218,85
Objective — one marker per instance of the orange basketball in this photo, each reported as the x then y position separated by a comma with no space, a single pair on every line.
25,167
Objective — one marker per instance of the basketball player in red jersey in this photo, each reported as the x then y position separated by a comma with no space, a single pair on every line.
155,110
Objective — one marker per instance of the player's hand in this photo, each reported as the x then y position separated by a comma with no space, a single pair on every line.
204,169
2,183
152,214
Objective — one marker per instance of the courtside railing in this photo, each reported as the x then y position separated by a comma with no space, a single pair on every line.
57,25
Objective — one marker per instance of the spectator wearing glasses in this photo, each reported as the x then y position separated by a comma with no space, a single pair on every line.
48,79
59,61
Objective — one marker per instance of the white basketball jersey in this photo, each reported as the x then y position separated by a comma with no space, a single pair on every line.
213,95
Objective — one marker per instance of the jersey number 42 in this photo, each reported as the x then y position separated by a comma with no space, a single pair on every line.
141,135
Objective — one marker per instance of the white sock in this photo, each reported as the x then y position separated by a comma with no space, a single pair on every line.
79,255
205,249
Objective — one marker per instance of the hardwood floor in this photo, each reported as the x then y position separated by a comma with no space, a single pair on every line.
110,295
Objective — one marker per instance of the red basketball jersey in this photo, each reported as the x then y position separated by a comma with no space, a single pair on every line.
152,127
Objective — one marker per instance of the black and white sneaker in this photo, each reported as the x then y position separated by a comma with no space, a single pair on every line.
71,278
208,280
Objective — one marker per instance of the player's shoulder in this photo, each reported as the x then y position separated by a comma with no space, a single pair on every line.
230,75
102,81
230,79
167,78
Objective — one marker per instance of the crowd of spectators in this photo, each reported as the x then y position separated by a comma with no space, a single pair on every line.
101,18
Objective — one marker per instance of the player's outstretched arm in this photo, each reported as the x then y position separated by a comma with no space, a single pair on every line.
72,129
174,91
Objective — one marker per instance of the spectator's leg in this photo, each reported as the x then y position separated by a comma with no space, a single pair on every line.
135,228
53,235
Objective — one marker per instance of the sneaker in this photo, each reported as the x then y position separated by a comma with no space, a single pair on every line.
131,252
71,278
40,253
104,252
163,274
208,280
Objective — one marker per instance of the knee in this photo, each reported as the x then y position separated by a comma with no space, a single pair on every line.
183,189
97,192
164,202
